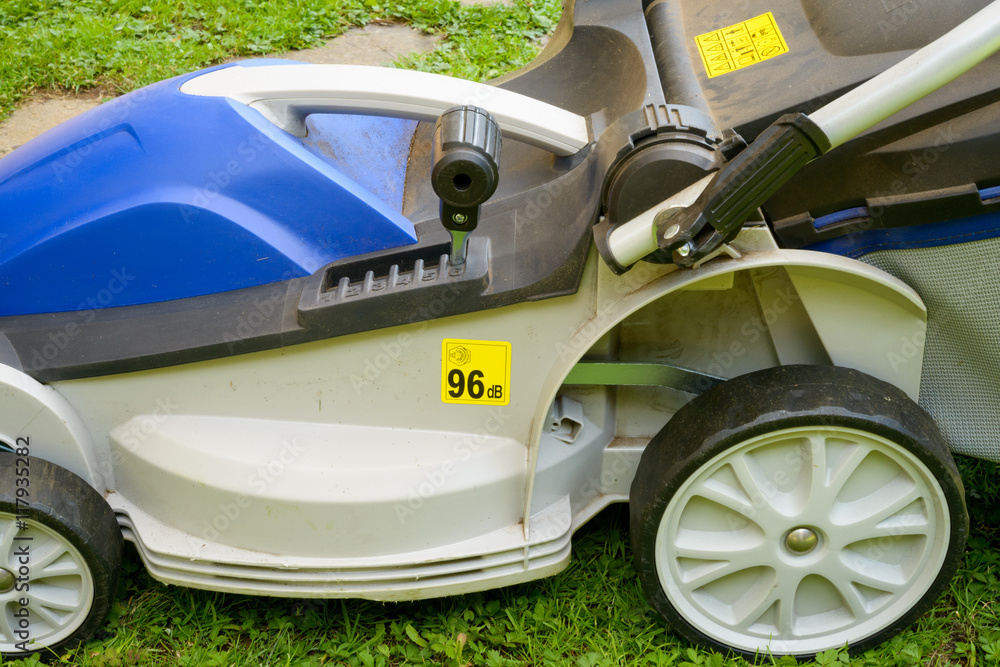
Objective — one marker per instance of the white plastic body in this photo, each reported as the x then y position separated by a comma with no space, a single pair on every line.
920,74
286,94
35,417
334,469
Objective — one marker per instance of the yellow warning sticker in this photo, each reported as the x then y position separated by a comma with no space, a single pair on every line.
475,371
741,45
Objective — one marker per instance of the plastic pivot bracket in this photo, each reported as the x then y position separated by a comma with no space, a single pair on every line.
466,170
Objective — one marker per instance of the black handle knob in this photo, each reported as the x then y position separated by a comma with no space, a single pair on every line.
466,161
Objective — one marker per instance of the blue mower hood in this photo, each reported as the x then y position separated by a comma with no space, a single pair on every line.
159,195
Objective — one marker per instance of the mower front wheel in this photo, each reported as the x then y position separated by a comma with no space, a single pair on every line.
60,554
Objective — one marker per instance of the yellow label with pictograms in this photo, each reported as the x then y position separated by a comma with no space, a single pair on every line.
475,371
740,45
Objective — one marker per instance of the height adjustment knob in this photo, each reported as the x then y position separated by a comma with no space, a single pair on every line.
466,169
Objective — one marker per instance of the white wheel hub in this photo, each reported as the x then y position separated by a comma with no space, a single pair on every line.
54,582
802,540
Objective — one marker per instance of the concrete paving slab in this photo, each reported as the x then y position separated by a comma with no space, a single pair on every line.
375,44
39,114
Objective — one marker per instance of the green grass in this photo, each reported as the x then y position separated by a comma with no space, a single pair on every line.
118,46
591,615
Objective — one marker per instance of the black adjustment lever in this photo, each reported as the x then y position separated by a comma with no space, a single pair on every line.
466,170
693,223
743,184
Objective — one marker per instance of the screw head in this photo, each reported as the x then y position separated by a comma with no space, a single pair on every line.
6,580
801,540
684,250
459,218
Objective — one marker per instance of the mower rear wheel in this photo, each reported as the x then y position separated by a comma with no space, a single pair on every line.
795,510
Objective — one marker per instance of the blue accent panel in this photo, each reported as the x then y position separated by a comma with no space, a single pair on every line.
840,216
949,232
378,164
182,196
989,193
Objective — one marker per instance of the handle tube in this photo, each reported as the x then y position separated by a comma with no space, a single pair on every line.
286,94
920,74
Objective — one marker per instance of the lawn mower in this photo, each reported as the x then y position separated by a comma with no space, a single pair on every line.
324,331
